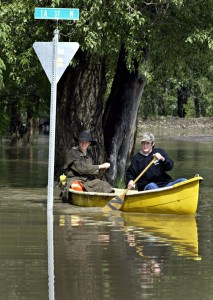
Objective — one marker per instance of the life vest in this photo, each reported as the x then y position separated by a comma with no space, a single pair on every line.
77,186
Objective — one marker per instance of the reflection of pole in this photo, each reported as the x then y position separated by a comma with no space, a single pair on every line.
50,255
51,170
52,125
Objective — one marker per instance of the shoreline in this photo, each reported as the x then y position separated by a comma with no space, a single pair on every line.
174,126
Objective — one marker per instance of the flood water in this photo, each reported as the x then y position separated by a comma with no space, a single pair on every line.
94,256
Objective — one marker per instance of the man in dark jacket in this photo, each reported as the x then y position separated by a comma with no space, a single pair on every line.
79,167
156,176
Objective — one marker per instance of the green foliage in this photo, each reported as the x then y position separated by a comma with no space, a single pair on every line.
202,91
22,74
4,117
160,98
206,97
171,39
181,55
190,108
2,67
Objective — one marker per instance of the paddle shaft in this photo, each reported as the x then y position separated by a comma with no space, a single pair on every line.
147,167
117,201
141,174
102,173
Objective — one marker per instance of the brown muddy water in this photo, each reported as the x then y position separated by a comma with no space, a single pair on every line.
92,256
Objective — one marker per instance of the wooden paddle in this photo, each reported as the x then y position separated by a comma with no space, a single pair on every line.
101,174
116,202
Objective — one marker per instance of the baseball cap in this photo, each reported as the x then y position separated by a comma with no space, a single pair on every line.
147,137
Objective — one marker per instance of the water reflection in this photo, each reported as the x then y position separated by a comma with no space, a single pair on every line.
144,244
50,255
149,230
22,166
178,231
23,255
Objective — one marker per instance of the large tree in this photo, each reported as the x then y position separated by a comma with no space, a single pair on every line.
123,45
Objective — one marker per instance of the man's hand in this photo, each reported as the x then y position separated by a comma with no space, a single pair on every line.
105,165
159,156
131,184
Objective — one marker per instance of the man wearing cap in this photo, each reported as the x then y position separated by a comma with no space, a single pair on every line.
79,167
156,176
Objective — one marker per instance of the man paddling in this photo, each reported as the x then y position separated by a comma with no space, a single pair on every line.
156,176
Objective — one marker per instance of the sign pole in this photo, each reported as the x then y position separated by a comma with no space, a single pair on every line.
52,124
51,169
55,58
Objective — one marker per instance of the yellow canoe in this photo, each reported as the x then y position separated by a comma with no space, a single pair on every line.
181,198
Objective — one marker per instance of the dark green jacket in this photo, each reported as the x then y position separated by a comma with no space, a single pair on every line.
80,167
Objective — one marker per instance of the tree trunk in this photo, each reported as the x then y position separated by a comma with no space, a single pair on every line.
29,127
80,106
16,127
183,95
197,107
120,118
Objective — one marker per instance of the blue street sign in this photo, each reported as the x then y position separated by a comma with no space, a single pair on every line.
56,13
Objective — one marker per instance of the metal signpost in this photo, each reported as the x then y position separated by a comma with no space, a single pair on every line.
55,58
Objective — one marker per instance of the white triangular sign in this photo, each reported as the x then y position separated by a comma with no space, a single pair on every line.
65,53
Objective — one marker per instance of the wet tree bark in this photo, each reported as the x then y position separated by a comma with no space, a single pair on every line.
80,100
120,117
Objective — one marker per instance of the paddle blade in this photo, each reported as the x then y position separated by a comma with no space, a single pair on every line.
114,204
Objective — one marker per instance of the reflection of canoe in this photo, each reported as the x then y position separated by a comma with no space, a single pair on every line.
181,198
149,234
179,231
